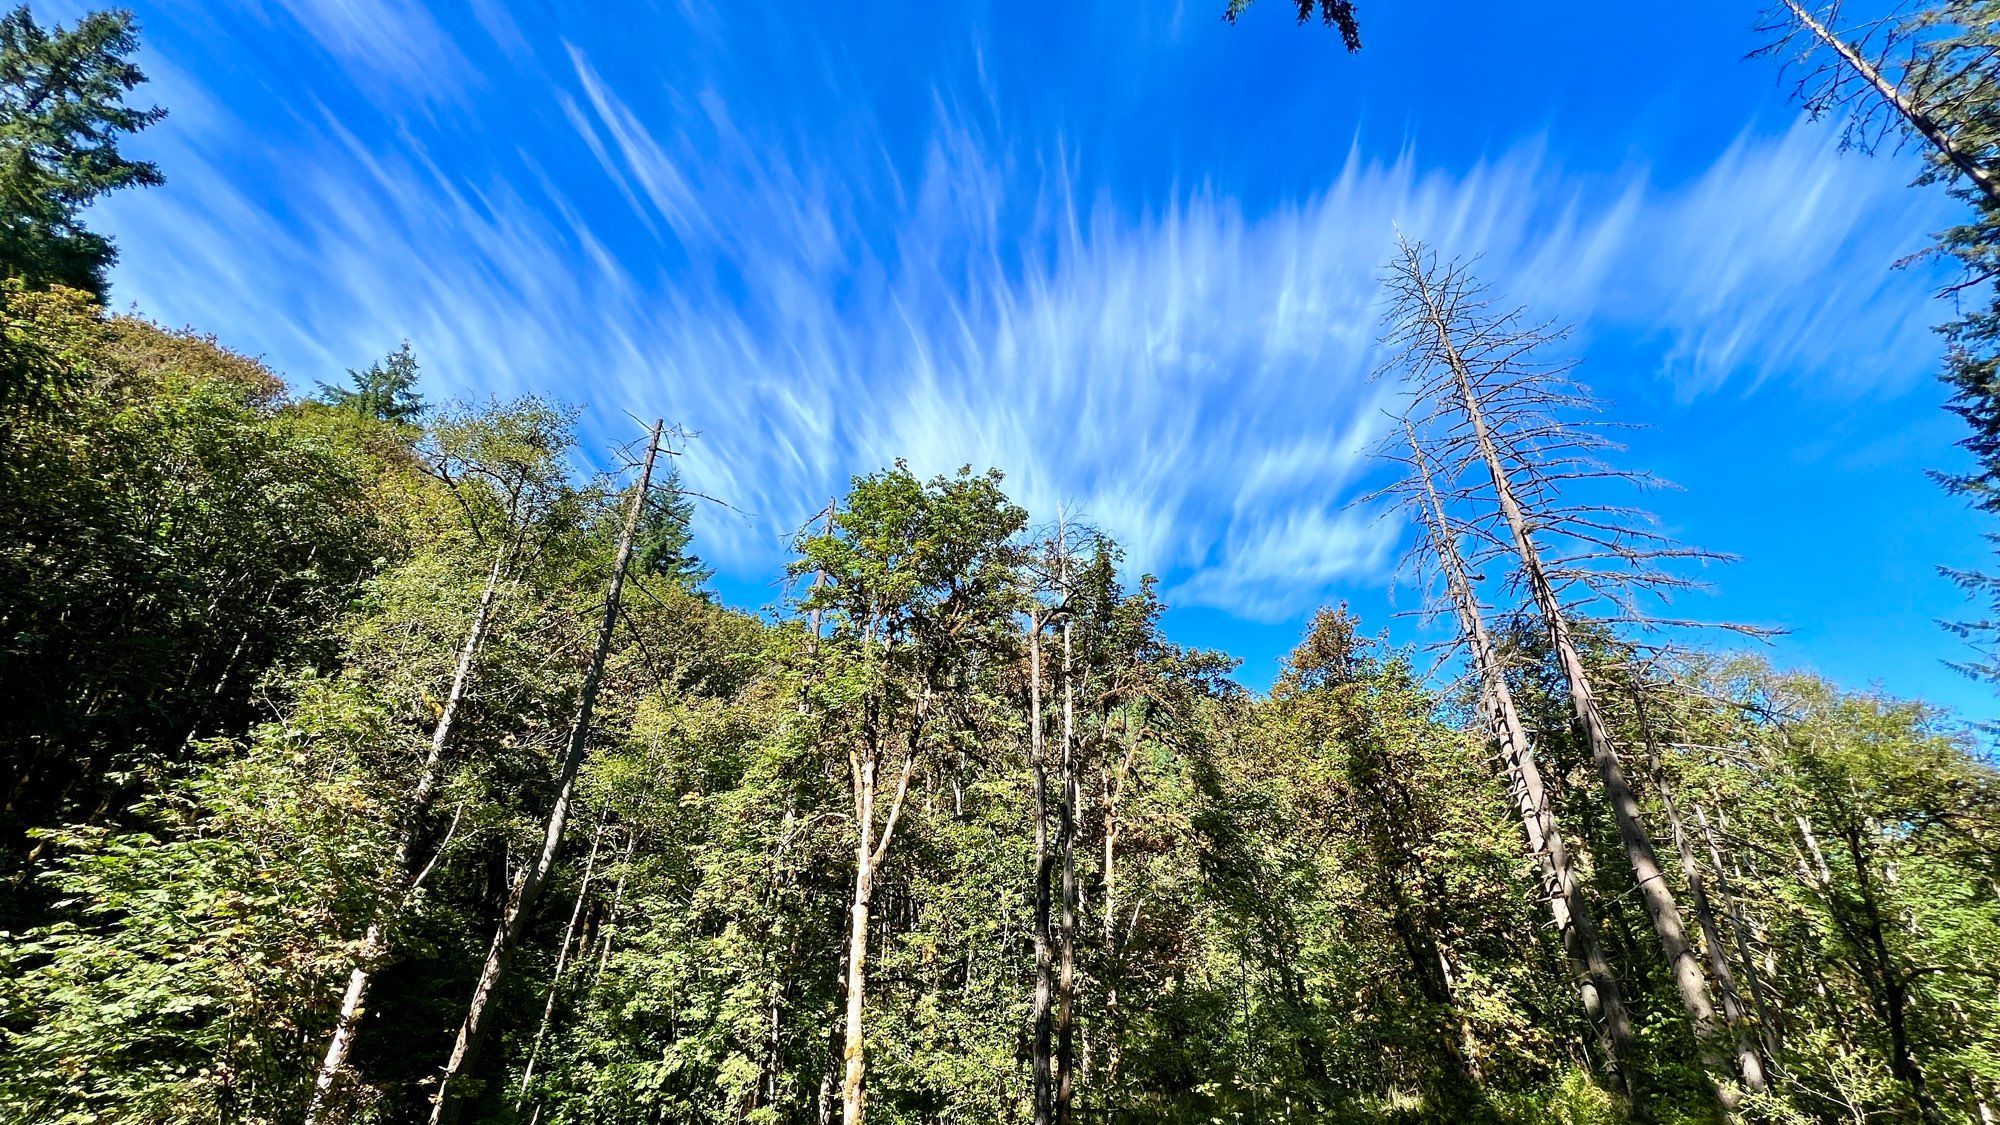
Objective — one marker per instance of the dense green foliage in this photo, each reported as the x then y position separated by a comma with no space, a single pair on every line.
1307,906
954,833
172,529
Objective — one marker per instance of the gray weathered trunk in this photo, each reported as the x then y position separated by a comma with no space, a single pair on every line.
1597,986
528,889
1768,1026
1914,114
1748,1062
400,878
1654,893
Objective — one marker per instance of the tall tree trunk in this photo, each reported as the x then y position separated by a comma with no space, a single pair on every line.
1066,972
1739,926
400,877
1918,118
1891,988
870,850
528,889
562,962
1569,910
1042,1019
1748,1062
853,1056
1658,898
1114,790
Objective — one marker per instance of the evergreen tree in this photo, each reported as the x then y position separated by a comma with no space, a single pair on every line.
62,115
384,391
666,536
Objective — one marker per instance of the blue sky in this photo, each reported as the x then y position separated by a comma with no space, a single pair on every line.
1122,251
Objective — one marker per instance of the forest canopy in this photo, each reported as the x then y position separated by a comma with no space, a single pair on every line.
375,757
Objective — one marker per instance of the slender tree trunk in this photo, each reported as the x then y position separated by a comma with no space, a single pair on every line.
1042,1030
1658,898
1569,910
853,1054
604,939
1114,789
871,848
1893,990
399,875
528,889
1739,926
1066,973
1918,118
555,978
1748,1062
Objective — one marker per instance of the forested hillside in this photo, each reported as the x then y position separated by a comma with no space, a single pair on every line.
371,757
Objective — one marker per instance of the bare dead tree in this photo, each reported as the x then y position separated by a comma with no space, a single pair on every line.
1570,912
1900,75
1679,685
1520,444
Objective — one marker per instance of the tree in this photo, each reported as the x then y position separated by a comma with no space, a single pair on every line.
917,591
62,115
1071,596
667,533
171,531
1639,687
1569,909
1848,833
534,876
1506,416
1046,854
385,391
504,475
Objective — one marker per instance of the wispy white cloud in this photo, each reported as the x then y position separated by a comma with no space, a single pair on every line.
394,40
1194,376
1779,264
